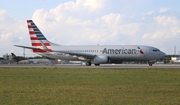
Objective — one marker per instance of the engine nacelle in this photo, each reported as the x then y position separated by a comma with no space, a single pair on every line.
101,59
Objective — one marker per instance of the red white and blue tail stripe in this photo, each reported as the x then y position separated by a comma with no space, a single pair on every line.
38,40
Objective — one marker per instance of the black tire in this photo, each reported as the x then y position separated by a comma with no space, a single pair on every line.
88,63
96,64
150,64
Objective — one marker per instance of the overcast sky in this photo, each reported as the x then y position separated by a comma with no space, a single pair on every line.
91,22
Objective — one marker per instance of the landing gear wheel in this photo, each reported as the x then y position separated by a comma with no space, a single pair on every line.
96,64
88,63
150,63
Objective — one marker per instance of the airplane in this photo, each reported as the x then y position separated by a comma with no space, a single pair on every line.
24,60
96,54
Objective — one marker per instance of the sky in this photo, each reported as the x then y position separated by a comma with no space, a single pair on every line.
91,22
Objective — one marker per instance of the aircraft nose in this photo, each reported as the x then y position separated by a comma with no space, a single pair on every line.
162,54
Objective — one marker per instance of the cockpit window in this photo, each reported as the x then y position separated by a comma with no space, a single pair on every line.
156,50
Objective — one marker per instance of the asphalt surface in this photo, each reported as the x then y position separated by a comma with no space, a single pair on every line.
84,66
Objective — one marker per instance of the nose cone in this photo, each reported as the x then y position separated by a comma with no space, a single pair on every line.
162,54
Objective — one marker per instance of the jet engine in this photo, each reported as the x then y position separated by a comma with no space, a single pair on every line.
101,59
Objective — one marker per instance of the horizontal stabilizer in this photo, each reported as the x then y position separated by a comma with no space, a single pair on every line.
28,47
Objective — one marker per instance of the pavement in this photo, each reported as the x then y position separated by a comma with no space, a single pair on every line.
84,66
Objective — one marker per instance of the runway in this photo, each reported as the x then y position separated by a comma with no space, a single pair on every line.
84,66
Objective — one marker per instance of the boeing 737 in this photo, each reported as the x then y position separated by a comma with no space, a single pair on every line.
97,54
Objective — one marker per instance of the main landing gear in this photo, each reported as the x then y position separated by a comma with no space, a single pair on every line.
150,63
88,63
96,64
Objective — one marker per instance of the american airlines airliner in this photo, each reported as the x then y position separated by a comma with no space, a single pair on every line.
96,54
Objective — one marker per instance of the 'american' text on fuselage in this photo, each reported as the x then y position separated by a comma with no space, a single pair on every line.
119,51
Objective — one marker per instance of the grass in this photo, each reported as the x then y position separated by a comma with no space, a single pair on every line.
48,86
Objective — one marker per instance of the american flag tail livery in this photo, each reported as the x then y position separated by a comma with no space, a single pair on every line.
37,38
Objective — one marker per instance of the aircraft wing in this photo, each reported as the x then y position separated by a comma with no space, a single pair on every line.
28,47
75,54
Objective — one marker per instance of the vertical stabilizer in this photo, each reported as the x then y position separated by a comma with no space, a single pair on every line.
38,40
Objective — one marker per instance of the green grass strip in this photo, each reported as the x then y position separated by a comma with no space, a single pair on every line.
83,86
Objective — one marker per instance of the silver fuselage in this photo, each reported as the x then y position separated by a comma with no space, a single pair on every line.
116,53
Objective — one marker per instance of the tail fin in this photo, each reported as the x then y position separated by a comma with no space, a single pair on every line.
38,40
17,59
13,55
